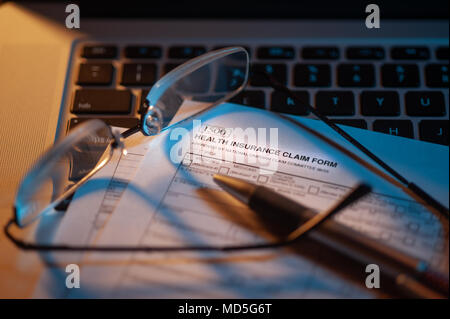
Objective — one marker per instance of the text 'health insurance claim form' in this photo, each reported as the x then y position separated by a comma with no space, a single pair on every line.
173,201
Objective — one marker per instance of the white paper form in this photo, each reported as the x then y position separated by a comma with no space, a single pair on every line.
89,211
177,204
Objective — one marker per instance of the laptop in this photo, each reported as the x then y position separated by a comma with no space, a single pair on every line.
392,79
395,84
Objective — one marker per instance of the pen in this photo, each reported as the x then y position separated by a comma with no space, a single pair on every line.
283,216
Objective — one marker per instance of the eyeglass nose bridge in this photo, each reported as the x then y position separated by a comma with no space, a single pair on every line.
151,119
117,142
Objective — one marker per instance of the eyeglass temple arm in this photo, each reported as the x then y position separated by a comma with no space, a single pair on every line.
142,110
131,131
427,198
354,195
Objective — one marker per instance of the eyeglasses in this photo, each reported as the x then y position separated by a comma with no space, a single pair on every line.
188,90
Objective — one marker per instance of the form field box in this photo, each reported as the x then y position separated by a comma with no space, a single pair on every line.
224,170
187,160
262,179
314,190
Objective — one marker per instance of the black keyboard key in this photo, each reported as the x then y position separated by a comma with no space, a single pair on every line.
442,53
101,101
198,81
394,127
185,52
410,53
365,53
356,75
257,78
335,102
250,98
233,77
142,105
95,74
126,122
400,75
352,122
320,53
281,52
169,67
138,74
436,75
143,52
425,103
312,75
99,51
434,131
380,103
283,103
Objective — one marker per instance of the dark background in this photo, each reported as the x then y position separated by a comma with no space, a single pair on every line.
262,9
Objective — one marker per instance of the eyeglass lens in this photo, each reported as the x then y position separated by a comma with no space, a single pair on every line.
55,174
198,90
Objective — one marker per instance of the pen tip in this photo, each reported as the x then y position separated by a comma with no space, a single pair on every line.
237,187
223,181
218,178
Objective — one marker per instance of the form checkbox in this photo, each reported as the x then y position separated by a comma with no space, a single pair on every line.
262,179
400,209
187,161
314,190
224,170
408,241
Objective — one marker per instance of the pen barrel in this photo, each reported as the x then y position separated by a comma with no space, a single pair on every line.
436,280
283,215
279,214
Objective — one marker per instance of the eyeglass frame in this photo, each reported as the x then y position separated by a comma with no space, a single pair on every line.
360,191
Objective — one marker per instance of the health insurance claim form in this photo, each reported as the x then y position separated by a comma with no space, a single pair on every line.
173,201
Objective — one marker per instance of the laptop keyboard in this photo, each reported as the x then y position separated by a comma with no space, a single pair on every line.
398,90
